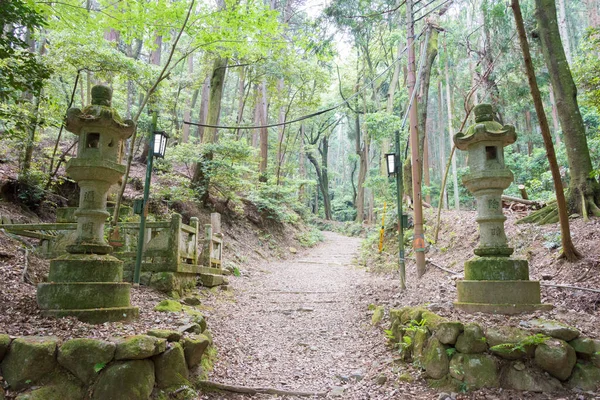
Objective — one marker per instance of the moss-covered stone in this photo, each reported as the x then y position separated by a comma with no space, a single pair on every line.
139,347
504,335
170,367
169,306
84,358
556,357
435,359
28,360
472,340
447,332
125,380
59,386
476,370
517,376
585,377
431,320
378,314
194,347
496,269
170,335
554,329
585,346
4,345
419,341
83,295
447,383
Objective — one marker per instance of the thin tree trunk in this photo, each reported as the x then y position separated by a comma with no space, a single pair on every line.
442,139
554,115
187,113
241,99
263,133
203,112
564,30
31,129
449,105
302,167
569,251
584,191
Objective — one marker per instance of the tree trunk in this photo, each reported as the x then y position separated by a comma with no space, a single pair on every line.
361,151
302,167
202,172
569,250
203,113
584,191
554,115
263,132
31,129
563,27
241,99
189,105
450,134
442,144
423,97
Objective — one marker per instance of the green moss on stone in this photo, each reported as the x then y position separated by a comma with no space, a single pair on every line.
169,306
28,360
125,380
170,367
82,356
139,347
4,345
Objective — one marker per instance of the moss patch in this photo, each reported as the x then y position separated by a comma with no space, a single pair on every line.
168,306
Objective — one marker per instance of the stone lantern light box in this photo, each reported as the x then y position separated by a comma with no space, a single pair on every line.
494,282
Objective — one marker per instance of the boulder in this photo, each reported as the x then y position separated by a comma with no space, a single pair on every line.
170,367
517,376
435,359
194,347
587,349
4,345
139,347
125,380
431,320
170,335
447,332
29,359
419,341
553,329
476,370
472,340
585,377
168,306
61,386
192,301
84,358
556,357
499,338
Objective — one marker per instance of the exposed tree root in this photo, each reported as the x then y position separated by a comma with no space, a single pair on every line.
570,287
546,215
252,391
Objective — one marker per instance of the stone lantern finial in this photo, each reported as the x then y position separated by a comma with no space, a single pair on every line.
494,282
102,95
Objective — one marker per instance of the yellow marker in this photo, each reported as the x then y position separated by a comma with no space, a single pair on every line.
382,230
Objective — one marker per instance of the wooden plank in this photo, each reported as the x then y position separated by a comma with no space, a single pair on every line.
40,227
188,229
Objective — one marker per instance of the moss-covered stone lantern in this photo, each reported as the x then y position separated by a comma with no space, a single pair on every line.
87,282
494,282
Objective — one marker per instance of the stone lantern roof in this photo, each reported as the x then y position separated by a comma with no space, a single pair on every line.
99,114
485,129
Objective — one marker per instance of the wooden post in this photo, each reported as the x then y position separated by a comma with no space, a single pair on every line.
523,192
195,223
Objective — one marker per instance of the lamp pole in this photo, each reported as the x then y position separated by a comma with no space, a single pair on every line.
399,194
144,213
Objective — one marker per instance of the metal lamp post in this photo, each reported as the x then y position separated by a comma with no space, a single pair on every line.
394,167
158,145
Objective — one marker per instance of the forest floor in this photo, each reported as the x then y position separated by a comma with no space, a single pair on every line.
305,325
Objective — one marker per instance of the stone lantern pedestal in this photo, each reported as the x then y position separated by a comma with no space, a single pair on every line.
88,282
494,282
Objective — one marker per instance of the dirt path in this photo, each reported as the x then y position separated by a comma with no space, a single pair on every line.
303,324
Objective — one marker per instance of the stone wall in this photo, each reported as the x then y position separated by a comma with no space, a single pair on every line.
161,363
543,356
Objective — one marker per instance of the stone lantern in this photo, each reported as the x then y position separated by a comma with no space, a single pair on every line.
494,282
87,282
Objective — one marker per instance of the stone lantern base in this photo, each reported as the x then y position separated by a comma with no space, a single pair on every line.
498,285
88,287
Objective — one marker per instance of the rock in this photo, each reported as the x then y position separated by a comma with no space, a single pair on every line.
194,347
419,340
29,359
528,379
139,347
357,375
585,377
381,379
499,337
447,332
443,396
556,357
170,335
435,359
377,315
554,329
192,328
336,391
476,370
585,346
192,301
293,250
170,367
61,386
168,306
125,380
431,320
4,345
84,358
406,377
472,340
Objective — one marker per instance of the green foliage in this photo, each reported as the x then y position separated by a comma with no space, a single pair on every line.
310,237
532,340
450,351
99,367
